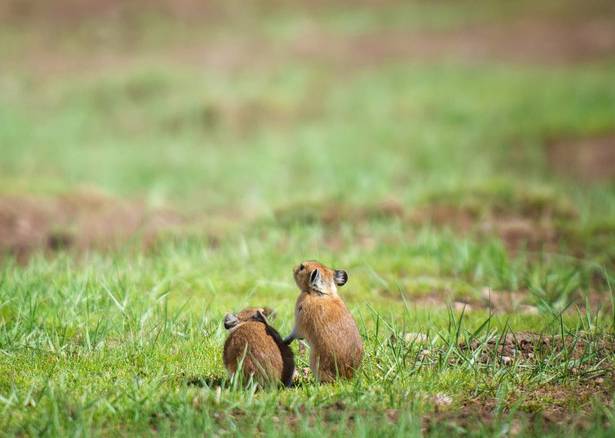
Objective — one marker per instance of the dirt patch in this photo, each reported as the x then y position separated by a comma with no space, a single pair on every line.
514,228
586,159
522,221
75,11
538,40
535,347
529,40
531,220
506,302
538,222
547,407
76,221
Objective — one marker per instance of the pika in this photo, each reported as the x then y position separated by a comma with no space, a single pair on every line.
321,317
252,340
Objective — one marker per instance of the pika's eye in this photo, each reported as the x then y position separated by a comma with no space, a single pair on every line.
301,267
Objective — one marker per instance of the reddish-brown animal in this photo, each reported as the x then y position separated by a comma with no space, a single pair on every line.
257,347
321,317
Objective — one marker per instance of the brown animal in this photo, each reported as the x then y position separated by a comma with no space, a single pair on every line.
257,348
321,317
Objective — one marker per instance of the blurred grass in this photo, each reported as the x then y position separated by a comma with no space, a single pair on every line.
280,136
215,114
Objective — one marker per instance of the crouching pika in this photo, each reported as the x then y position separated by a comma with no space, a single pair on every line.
257,348
322,319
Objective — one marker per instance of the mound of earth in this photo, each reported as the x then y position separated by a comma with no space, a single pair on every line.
587,159
76,221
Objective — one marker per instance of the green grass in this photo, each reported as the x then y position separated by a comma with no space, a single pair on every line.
291,159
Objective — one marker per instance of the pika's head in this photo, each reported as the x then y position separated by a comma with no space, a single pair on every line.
315,277
260,314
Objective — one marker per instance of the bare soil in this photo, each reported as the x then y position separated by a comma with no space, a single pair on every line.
521,223
531,38
566,403
540,224
515,229
546,407
76,221
586,159
533,347
526,221
75,11
526,41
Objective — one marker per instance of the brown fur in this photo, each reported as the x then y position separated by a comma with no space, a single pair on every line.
321,317
264,354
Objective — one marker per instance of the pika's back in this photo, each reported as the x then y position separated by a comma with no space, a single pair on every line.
258,349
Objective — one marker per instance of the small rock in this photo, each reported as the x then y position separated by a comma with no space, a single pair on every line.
528,310
441,399
415,337
424,354
460,306
506,360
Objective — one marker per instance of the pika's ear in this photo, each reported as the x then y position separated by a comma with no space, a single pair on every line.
269,312
341,277
316,281
230,321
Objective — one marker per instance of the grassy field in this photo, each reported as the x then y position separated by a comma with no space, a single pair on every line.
162,166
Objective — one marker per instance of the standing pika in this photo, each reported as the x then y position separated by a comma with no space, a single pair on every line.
252,340
321,317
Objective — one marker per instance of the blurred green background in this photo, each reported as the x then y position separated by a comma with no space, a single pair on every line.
255,105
